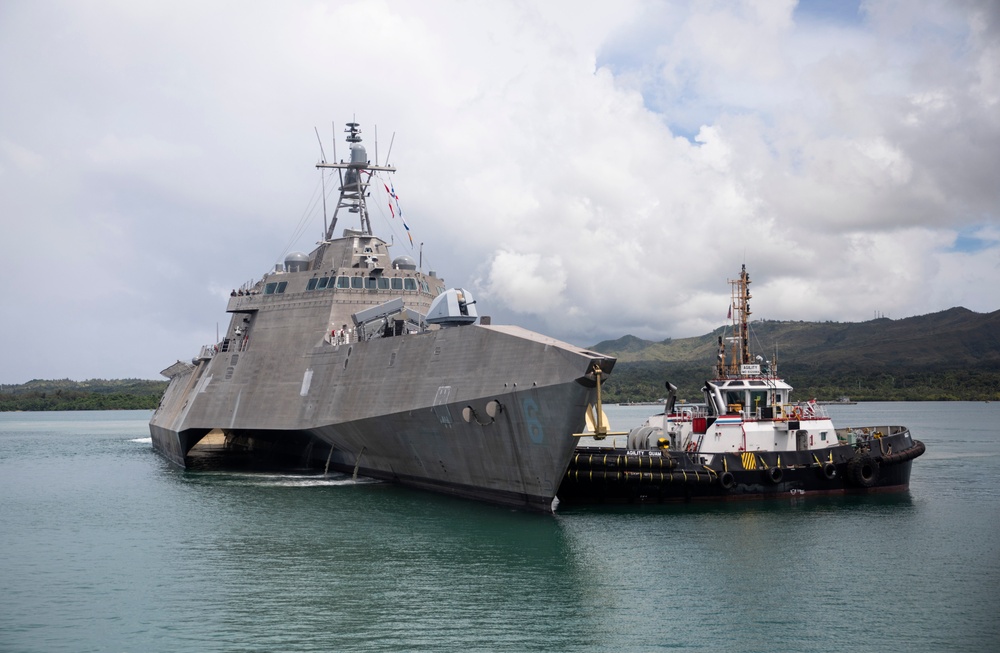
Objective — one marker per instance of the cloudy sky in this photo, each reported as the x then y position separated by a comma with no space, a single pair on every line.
586,173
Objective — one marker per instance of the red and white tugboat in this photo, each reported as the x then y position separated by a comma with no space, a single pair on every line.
749,439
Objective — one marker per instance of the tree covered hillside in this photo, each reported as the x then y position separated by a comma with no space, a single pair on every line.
951,355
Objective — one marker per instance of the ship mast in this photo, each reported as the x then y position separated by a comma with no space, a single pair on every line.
354,184
740,314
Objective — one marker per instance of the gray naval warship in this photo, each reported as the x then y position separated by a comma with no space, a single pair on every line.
349,359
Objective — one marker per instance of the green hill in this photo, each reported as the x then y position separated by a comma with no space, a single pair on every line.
94,394
954,354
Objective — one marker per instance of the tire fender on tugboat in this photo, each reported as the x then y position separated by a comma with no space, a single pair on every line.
774,474
863,470
828,471
727,480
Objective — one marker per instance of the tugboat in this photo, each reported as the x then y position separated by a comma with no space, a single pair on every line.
347,358
748,440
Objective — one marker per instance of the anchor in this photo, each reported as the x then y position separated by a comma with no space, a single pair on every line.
597,418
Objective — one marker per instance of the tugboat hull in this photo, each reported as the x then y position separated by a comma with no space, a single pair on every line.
599,475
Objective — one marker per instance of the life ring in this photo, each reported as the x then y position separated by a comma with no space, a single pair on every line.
863,470
774,474
797,412
727,480
828,471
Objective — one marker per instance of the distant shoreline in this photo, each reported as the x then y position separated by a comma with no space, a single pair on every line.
94,394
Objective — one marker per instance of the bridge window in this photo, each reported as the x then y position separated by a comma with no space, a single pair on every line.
274,288
357,283
383,283
322,283
409,283
370,283
397,283
312,284
343,282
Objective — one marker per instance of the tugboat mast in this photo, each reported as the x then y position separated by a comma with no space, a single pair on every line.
740,313
354,185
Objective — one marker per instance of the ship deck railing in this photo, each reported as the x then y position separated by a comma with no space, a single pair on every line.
854,434
797,411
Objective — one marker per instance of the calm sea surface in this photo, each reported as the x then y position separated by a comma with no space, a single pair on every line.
106,547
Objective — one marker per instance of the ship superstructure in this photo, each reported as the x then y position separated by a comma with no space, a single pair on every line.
351,359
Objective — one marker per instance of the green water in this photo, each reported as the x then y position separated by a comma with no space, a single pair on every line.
106,547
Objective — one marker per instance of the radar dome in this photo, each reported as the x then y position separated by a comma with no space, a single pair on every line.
296,262
404,263
358,154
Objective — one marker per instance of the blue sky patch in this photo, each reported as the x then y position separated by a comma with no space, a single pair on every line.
969,241
845,12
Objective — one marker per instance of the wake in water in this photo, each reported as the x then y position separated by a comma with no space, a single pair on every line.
211,467
251,479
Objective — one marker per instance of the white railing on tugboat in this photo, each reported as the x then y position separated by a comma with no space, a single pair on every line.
782,412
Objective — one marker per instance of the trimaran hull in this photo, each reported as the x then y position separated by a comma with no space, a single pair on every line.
476,411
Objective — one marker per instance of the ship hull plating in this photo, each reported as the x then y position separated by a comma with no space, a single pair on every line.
483,412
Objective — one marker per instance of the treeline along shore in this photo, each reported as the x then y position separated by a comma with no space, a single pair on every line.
95,394
952,355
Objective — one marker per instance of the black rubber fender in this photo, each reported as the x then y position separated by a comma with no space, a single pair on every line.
828,471
917,449
774,474
863,470
727,480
